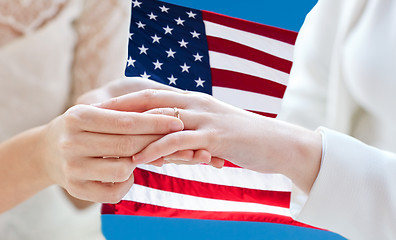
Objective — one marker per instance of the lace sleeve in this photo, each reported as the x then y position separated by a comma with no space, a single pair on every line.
102,46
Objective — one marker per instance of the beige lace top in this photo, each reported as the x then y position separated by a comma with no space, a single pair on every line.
50,52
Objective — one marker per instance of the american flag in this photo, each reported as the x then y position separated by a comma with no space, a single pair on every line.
239,62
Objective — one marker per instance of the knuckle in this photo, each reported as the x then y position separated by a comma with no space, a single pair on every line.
122,146
149,93
74,115
115,194
175,140
122,172
66,145
126,123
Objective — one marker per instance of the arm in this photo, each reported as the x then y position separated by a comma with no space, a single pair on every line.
71,151
353,188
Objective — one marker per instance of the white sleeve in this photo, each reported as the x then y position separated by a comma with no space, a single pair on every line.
353,194
305,99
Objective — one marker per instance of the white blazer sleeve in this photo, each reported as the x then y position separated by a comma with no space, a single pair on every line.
354,193
305,99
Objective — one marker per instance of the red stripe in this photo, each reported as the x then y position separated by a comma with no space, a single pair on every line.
252,27
141,209
240,81
208,190
242,51
271,115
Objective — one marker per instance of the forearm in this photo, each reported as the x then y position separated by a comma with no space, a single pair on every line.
273,146
300,153
21,172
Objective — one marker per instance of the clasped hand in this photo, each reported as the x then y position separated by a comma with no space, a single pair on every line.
95,148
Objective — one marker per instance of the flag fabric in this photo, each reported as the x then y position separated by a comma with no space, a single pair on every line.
242,63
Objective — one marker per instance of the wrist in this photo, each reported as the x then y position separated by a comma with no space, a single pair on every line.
40,155
302,163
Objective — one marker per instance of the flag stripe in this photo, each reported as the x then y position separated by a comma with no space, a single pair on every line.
236,64
248,100
262,43
208,190
240,177
236,80
216,44
252,27
168,199
143,209
271,115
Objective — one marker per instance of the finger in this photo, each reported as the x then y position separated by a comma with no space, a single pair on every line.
101,169
170,144
217,162
147,99
185,155
133,84
100,192
158,163
94,119
98,145
190,119
193,157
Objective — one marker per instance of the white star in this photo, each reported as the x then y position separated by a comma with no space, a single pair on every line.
185,67
136,3
183,43
168,30
179,21
198,57
152,16
200,82
140,24
145,75
164,9
170,53
191,14
157,65
172,80
131,62
143,49
195,34
155,38
130,36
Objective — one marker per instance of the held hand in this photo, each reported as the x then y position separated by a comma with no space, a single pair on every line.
133,84
246,139
121,87
209,125
88,149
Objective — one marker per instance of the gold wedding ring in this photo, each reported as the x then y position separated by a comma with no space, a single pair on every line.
176,113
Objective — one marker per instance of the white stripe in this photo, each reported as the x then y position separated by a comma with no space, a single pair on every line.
265,44
248,100
229,176
237,64
157,197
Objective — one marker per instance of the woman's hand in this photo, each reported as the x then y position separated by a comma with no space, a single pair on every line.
133,84
88,150
246,139
121,87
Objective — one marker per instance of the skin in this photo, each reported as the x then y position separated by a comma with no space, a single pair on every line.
263,144
92,150
76,150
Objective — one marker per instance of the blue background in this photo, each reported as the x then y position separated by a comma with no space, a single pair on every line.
288,14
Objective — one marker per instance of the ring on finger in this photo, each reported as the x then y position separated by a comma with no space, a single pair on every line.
176,113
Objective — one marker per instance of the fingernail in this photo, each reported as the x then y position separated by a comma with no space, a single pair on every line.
176,126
